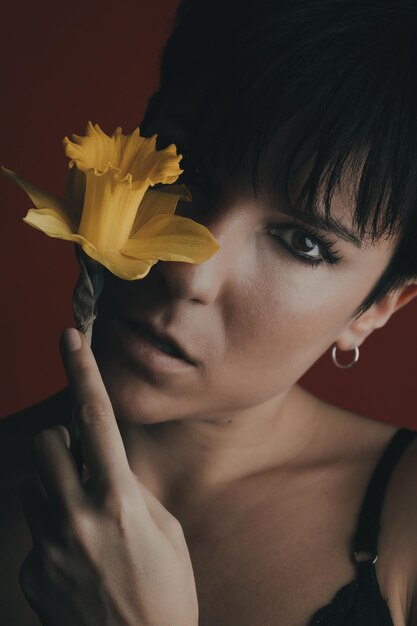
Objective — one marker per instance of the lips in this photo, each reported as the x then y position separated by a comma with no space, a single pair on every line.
165,339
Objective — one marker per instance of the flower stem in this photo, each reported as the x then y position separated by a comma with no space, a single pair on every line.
84,305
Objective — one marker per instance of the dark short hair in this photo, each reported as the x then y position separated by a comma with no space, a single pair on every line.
340,75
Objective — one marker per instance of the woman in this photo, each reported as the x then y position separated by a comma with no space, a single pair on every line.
228,494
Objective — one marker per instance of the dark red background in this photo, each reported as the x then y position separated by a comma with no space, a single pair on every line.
62,65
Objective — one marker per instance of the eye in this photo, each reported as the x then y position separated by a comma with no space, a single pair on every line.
304,245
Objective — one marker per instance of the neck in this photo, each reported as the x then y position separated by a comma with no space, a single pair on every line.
186,458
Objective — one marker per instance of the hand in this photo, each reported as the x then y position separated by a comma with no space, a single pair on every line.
106,553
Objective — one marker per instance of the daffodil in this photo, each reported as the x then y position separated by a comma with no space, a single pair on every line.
110,209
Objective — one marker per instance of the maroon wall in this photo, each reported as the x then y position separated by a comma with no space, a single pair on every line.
64,64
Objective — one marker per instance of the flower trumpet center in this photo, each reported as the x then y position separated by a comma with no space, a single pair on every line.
110,207
118,169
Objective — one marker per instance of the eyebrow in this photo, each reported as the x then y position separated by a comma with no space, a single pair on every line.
330,225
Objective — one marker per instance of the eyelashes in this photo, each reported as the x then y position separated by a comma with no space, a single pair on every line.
325,246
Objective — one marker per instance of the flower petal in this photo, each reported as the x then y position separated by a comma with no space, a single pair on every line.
155,166
110,208
50,221
40,199
118,264
94,150
74,193
128,147
181,189
129,154
172,238
157,201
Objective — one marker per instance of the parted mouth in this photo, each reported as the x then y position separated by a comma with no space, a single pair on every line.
162,340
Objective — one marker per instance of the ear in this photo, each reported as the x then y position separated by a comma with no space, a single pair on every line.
376,316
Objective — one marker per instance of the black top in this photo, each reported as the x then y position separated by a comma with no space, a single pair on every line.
360,603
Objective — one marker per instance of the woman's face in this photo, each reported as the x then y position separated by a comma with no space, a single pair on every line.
255,316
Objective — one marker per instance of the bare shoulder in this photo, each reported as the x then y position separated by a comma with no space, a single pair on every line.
351,435
16,435
396,566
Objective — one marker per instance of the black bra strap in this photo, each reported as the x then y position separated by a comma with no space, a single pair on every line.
366,538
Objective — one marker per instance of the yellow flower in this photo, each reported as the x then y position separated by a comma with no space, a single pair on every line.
111,210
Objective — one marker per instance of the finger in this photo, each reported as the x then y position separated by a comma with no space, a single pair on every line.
57,469
28,579
101,440
30,584
35,509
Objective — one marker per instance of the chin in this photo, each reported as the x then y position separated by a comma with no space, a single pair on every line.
135,400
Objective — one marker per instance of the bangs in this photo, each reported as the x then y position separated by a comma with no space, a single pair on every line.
274,86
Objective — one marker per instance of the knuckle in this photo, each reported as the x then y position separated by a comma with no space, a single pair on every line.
28,579
63,432
47,435
42,439
81,368
172,528
112,500
117,505
77,527
27,574
37,568
49,560
95,409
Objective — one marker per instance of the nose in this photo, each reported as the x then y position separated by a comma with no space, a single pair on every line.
204,282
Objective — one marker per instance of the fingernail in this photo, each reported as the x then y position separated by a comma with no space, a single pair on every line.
72,339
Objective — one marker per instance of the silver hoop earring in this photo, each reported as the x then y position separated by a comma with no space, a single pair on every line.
355,358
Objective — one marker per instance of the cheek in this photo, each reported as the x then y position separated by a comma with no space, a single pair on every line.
274,321
286,321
